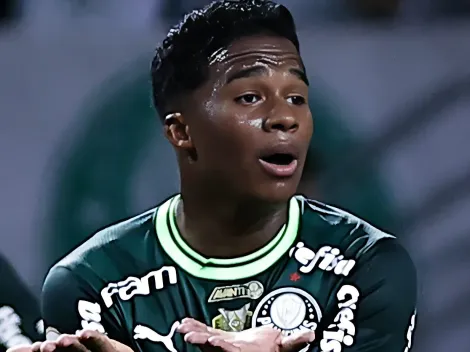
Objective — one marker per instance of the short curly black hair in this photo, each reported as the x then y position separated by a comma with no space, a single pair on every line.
181,63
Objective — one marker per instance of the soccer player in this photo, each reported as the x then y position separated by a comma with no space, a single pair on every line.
19,310
236,249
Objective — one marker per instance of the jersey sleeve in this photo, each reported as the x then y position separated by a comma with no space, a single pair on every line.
375,309
70,304
19,309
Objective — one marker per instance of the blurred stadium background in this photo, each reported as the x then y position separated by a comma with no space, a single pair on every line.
80,146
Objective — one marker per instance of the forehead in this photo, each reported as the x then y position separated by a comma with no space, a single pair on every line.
264,49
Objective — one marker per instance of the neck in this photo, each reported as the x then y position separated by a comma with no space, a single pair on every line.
217,225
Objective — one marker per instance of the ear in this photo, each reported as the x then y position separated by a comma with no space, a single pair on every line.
177,131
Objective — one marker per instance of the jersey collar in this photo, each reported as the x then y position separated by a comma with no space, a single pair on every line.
223,269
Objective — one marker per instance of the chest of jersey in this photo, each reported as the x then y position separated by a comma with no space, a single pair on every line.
293,295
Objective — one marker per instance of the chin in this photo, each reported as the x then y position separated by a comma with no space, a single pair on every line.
277,192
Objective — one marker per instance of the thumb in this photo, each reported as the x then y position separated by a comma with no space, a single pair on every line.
297,341
218,341
21,348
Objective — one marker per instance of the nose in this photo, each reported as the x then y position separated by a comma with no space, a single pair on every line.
281,118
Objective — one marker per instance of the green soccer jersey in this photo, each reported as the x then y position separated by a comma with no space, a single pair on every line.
325,271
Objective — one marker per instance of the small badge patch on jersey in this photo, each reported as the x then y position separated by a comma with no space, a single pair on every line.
252,290
233,320
288,309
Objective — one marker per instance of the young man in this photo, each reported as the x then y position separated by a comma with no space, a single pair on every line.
236,249
19,310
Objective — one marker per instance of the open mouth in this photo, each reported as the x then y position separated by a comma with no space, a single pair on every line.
279,159
279,164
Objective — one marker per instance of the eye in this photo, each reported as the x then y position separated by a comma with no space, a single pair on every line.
248,99
296,100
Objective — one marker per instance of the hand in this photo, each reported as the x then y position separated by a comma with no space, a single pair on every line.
83,341
262,339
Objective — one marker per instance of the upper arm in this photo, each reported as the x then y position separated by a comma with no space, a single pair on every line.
69,304
382,314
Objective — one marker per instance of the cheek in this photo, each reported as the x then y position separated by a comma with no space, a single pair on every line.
256,123
308,126
311,128
224,133
228,128
230,140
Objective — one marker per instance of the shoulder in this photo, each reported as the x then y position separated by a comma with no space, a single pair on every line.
331,225
107,256
369,259
120,242
325,228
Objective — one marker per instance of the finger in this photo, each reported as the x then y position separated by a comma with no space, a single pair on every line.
95,341
218,341
186,327
119,347
189,324
197,338
297,341
35,347
22,348
48,346
193,322
71,342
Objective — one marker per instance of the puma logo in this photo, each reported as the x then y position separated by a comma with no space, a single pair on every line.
143,332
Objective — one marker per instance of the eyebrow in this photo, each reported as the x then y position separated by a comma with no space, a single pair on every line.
300,75
261,70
